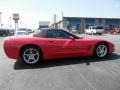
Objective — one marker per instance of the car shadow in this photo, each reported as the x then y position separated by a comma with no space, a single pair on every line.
19,65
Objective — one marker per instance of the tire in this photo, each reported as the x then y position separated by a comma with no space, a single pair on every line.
85,33
101,50
31,55
100,33
92,33
115,33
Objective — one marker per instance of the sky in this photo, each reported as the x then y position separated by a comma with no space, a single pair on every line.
33,11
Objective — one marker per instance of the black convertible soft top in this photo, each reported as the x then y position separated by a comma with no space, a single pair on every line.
43,33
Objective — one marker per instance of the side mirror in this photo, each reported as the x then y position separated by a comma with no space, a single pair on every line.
72,38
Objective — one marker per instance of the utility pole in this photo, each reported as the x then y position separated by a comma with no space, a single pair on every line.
55,21
1,20
10,22
62,15
62,20
55,18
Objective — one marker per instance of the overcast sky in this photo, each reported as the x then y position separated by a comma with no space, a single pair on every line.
33,11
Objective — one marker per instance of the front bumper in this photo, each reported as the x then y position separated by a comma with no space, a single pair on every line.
111,48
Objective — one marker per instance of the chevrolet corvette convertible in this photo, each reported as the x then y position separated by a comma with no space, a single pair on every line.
48,44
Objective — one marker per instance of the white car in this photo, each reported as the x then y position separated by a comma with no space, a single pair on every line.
20,33
94,30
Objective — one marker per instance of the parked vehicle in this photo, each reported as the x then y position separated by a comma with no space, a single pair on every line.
55,43
94,30
21,32
114,31
30,31
5,32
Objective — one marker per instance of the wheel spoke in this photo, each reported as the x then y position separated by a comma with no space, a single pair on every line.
36,54
28,59
31,51
27,54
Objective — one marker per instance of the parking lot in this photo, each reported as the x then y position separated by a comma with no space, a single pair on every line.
63,74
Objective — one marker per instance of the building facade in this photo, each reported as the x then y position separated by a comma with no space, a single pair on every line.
81,23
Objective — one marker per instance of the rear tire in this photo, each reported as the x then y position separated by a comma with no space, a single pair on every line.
31,55
85,33
92,33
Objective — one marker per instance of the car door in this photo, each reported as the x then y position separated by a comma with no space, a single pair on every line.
55,43
60,45
78,47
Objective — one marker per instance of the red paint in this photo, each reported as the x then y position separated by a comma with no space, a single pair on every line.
53,47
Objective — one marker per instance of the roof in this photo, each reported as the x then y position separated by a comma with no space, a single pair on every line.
92,17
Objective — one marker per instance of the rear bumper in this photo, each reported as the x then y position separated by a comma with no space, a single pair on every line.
12,51
97,32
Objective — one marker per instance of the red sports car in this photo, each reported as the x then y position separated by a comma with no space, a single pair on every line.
49,44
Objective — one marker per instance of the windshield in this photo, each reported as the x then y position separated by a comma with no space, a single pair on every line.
21,29
97,27
21,33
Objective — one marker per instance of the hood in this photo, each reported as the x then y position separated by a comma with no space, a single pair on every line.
91,38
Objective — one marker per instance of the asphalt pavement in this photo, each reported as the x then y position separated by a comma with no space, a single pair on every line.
63,74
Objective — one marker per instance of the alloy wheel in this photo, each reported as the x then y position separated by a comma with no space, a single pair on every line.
101,51
31,55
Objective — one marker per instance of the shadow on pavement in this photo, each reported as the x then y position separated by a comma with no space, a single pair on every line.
19,65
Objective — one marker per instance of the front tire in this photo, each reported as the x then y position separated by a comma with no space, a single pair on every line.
31,55
101,50
100,33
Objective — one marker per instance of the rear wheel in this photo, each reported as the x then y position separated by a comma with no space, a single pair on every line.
101,50
31,55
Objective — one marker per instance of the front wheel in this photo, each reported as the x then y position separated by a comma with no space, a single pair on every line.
101,50
31,55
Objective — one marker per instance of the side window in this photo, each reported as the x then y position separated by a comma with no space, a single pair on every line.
65,34
51,34
54,34
57,34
